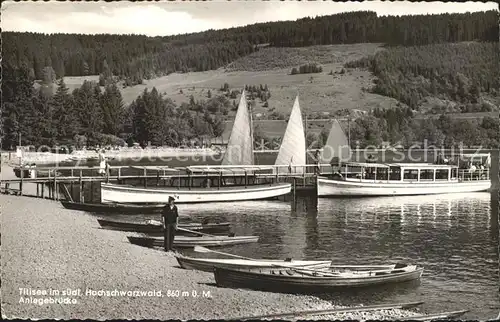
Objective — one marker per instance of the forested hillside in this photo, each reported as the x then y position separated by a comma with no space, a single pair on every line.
458,77
423,67
90,116
138,57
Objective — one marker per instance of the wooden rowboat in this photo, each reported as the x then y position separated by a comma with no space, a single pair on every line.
115,208
208,264
310,281
185,241
156,229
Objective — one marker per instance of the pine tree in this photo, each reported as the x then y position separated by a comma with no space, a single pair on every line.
64,114
90,116
113,110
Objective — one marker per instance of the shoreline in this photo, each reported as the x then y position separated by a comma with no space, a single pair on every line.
41,158
59,249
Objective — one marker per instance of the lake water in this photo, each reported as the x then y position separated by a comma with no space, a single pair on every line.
454,237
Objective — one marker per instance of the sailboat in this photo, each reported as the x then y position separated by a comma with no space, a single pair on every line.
234,180
293,146
391,179
336,147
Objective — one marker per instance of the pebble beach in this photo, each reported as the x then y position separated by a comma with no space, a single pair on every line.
64,253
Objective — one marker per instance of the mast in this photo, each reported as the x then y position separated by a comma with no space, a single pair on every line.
349,131
250,111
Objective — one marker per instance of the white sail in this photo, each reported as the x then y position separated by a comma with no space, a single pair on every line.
239,150
293,146
337,145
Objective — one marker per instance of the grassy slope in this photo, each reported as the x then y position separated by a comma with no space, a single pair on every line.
323,93
271,66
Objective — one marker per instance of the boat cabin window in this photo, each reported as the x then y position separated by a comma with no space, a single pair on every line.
410,174
394,173
442,174
382,173
427,174
454,173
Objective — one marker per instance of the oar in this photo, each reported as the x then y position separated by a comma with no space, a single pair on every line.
194,232
203,234
202,249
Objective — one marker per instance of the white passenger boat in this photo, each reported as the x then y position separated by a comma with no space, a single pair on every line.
371,179
130,194
236,179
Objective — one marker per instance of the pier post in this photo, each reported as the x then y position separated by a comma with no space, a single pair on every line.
22,179
37,189
43,190
55,187
495,165
91,190
80,183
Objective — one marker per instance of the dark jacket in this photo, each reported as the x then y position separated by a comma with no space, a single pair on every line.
170,215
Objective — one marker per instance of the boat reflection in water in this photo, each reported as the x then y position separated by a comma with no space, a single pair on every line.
453,236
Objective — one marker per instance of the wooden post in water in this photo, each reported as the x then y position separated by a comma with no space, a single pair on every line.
495,165
91,190
22,179
55,186
43,190
80,184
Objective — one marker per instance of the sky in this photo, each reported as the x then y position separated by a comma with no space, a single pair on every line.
169,18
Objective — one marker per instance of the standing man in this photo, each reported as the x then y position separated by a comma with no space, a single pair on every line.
170,218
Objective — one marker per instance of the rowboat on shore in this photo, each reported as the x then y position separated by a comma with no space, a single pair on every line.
155,227
186,241
302,280
114,208
208,264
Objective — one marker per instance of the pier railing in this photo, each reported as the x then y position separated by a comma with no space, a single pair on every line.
57,178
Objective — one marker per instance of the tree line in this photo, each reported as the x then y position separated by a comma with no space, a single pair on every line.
137,57
92,116
400,126
307,69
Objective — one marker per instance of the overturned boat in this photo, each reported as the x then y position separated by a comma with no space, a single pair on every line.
114,208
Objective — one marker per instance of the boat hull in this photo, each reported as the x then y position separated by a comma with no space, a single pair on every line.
208,264
129,194
157,230
113,208
185,241
280,280
356,188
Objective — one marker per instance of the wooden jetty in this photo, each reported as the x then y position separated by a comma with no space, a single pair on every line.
82,184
